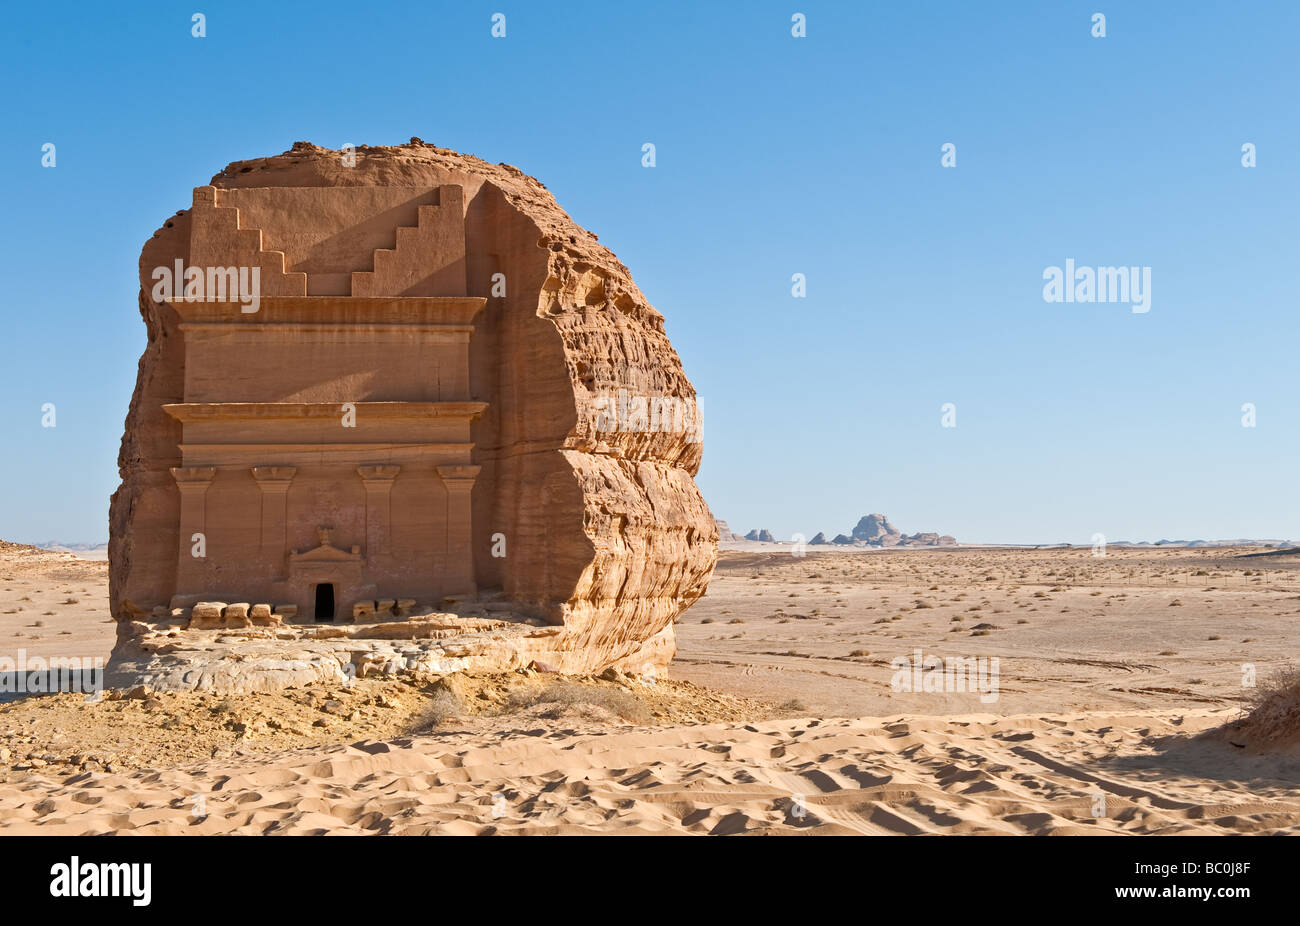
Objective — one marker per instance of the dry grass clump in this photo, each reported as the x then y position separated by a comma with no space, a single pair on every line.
1274,718
443,705
560,696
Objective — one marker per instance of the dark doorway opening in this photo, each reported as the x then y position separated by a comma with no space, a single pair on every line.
324,602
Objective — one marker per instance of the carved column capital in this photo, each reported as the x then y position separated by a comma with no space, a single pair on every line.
378,474
274,477
193,477
458,477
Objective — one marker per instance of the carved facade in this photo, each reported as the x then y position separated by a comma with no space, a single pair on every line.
422,376
320,413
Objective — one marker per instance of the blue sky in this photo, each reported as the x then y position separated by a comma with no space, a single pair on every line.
775,156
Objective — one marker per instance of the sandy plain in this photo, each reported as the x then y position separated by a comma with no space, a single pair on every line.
1117,680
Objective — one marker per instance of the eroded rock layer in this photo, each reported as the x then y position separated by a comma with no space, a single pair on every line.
584,513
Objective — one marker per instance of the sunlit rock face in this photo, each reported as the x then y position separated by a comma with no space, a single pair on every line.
400,383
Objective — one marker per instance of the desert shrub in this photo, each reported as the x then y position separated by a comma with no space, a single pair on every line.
443,705
559,696
1274,707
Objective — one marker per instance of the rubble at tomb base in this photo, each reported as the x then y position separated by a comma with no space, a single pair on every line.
228,654
432,434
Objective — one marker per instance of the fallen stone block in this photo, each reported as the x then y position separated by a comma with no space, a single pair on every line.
236,615
207,614
262,615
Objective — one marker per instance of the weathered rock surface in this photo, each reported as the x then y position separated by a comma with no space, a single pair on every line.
819,540
607,537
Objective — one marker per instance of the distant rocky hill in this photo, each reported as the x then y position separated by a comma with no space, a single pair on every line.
1239,542
59,546
724,531
874,530
94,551
7,546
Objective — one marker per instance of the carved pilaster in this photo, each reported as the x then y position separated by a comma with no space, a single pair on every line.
193,482
378,482
274,483
459,481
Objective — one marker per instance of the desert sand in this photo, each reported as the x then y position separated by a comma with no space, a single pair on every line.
1119,679
1132,629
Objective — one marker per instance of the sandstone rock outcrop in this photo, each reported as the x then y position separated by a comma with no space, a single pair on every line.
725,532
875,528
568,432
927,539
819,540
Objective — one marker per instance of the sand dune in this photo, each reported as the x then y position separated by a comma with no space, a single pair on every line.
975,774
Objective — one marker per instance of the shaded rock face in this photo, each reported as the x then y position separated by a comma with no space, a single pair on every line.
819,540
571,428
